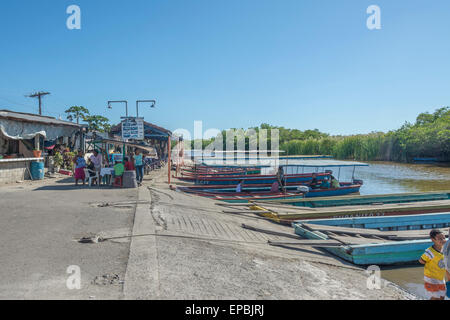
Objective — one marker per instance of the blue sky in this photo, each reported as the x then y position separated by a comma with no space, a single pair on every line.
231,63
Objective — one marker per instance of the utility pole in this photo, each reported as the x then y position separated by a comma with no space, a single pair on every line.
39,95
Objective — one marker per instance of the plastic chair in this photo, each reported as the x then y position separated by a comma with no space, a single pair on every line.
118,181
89,178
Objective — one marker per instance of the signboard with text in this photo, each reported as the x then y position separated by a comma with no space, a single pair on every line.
133,128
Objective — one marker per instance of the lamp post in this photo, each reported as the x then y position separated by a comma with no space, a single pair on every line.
120,101
153,104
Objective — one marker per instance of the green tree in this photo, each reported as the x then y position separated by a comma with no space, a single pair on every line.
77,112
98,123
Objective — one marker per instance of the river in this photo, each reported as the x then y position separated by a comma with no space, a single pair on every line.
388,177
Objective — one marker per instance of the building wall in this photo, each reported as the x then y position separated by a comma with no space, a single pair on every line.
10,172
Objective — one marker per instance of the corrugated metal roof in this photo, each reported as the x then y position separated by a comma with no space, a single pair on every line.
29,117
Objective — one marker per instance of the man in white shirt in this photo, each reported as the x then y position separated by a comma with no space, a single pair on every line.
96,159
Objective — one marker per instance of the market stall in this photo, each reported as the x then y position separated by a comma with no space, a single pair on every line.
23,139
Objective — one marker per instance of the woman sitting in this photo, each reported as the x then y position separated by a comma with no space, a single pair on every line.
129,165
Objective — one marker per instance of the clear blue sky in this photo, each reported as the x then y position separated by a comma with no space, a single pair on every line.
231,63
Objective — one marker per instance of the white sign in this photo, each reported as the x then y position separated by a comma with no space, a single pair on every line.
133,128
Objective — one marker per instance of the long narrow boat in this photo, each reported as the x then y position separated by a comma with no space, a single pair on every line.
219,171
368,199
376,240
287,214
243,197
253,179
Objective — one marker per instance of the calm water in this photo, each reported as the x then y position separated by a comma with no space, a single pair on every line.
385,177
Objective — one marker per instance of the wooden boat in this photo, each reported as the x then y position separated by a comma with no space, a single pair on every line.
376,240
211,171
243,197
287,214
369,199
253,179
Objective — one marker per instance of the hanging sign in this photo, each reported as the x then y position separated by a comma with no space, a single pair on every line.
133,128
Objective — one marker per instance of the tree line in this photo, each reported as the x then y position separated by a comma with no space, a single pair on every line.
429,136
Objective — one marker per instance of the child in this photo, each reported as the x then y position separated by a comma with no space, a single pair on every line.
119,168
80,164
446,252
434,271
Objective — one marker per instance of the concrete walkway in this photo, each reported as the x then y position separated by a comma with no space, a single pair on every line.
195,251
40,223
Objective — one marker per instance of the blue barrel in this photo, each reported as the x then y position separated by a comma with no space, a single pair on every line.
37,170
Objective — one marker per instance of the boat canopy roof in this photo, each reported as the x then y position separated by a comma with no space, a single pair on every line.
321,163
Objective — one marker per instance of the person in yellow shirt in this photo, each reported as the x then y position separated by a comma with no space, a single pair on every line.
434,271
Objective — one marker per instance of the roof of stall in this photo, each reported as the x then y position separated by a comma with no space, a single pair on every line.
20,126
29,117
151,131
148,148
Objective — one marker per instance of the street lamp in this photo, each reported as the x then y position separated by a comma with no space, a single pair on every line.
120,101
153,104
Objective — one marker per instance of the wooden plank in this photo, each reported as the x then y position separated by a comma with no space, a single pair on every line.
360,241
275,233
350,197
351,231
310,243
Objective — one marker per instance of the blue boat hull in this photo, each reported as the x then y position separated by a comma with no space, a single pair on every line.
388,253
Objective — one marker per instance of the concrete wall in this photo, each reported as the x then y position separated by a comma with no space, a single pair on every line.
10,172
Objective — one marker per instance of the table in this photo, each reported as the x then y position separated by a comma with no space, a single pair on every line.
106,172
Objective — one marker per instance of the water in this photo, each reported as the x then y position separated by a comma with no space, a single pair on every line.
386,177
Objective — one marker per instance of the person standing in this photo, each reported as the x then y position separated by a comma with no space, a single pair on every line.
434,271
80,164
139,165
446,252
97,160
